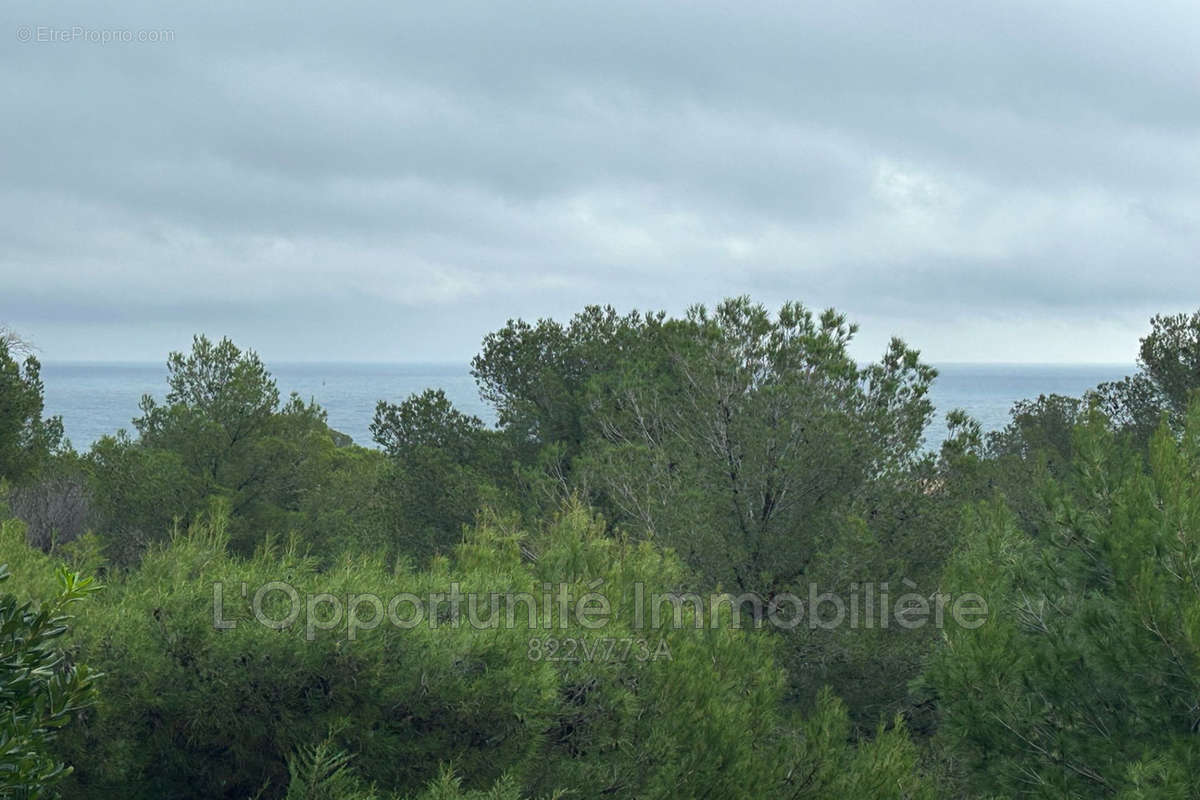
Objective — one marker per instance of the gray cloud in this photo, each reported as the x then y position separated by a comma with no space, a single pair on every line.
390,181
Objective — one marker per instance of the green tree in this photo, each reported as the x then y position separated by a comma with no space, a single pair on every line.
138,493
537,376
1168,376
1170,358
1035,448
441,469
1133,404
1043,426
223,433
26,439
739,438
753,445
223,418
1083,681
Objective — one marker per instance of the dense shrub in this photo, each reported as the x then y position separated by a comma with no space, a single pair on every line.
1084,682
193,710
224,434
41,687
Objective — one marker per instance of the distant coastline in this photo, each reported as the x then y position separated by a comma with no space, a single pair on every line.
98,398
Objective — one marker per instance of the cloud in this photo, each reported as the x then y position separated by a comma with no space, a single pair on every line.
391,181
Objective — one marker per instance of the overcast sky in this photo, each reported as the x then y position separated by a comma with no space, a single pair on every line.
388,182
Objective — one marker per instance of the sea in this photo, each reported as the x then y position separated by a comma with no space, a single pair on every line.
95,399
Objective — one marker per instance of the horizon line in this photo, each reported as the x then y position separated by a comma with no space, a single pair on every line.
467,363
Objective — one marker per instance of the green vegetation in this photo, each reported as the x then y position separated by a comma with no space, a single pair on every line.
40,689
649,581
224,435
26,440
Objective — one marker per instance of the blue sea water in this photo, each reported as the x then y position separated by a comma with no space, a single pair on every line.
95,399
987,391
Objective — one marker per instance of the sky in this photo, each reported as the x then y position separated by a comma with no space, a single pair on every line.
390,181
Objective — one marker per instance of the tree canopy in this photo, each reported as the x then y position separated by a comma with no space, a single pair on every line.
261,573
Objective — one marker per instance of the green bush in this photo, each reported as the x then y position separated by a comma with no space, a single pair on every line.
1084,681
40,688
193,710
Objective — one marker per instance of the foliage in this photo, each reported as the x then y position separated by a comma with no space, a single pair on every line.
223,434
1042,426
1167,379
138,493
1083,682
323,772
442,468
537,376
734,449
825,768
193,710
756,447
741,438
1133,404
1170,358
40,689
1015,463
26,439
